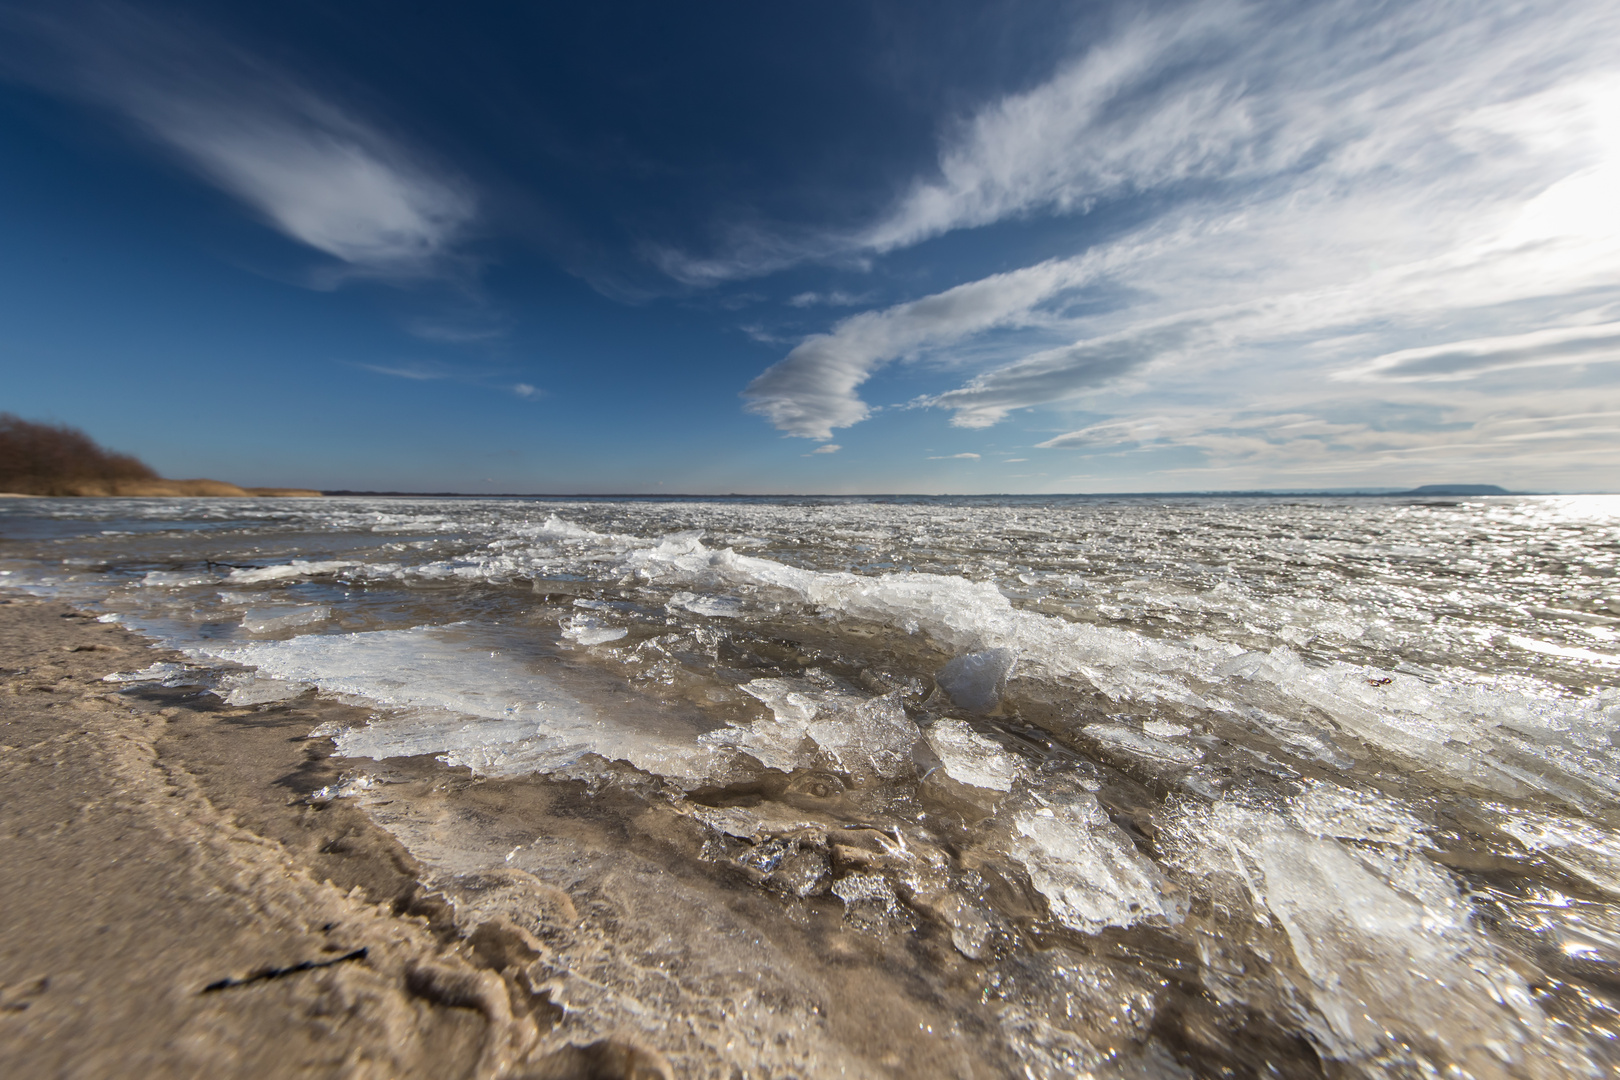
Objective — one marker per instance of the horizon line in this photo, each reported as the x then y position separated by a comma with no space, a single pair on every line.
1365,492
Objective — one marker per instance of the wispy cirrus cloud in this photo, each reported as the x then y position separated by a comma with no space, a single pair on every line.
1156,103
1055,375
813,389
416,372
1457,360
1321,441
308,166
429,371
453,331
1420,201
1216,97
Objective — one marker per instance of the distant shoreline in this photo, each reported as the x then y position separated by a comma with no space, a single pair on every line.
173,489
1431,491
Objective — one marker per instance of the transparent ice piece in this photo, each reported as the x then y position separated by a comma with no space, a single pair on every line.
1087,868
974,681
278,617
969,758
589,630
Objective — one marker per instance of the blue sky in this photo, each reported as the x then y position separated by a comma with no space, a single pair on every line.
838,247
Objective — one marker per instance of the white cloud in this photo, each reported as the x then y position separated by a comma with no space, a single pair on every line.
828,448
1427,198
1110,433
1222,94
524,390
812,390
1468,359
314,173
953,457
309,167
1054,375
1139,110
1475,436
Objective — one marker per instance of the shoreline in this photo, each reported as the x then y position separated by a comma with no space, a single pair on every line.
175,489
178,905
222,918
219,920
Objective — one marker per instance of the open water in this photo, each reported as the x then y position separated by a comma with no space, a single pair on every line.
1055,787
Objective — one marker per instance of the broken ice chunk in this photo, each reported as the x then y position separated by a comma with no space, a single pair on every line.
1067,1015
1141,745
1329,810
975,681
1581,847
163,673
346,788
249,688
173,579
1087,868
296,569
969,758
875,736
723,607
1399,975
855,735
796,701
269,620
589,630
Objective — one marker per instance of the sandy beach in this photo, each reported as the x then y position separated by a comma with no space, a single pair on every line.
176,905
182,899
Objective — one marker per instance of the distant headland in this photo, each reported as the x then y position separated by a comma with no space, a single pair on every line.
53,459
1459,489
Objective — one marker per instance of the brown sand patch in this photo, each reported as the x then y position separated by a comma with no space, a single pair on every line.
176,906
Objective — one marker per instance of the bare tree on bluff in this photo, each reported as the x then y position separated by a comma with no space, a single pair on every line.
54,459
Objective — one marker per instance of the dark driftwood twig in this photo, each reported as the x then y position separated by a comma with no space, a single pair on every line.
276,973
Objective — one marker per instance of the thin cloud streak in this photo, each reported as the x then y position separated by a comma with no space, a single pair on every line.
428,371
1273,437
1468,359
1054,375
414,372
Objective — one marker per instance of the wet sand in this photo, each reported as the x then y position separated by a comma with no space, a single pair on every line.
175,905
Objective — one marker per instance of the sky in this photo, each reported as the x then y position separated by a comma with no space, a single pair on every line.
836,247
